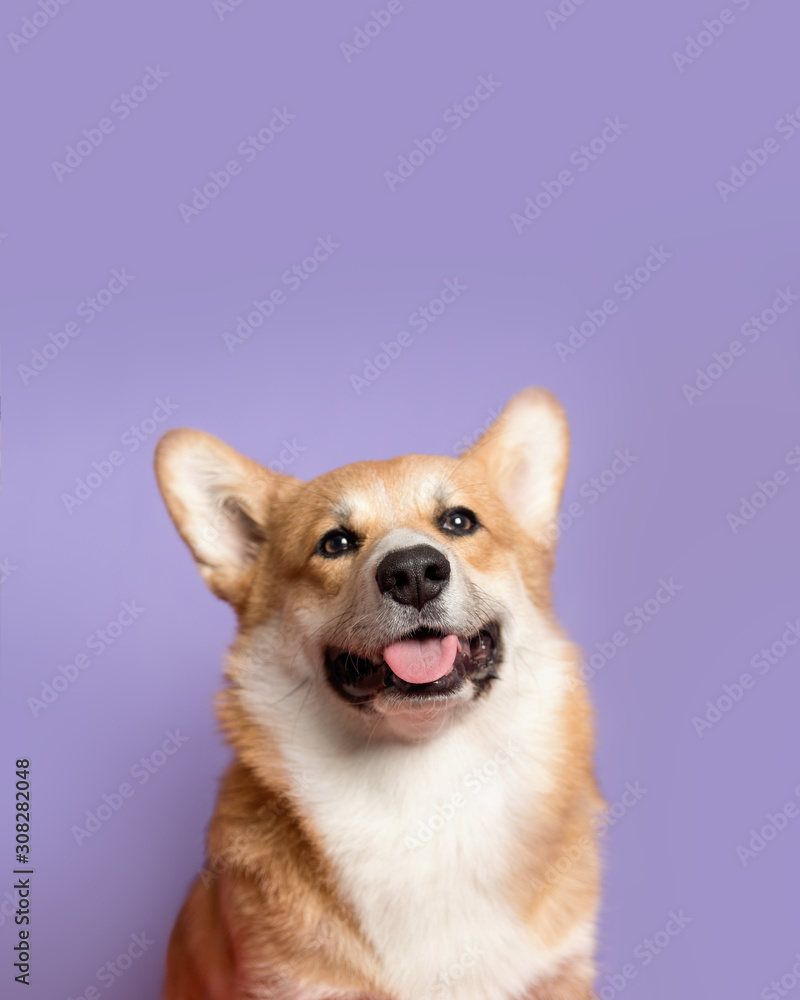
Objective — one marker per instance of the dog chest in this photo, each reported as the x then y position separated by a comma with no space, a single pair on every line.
422,840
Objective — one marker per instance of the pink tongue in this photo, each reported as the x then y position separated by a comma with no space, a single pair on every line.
420,661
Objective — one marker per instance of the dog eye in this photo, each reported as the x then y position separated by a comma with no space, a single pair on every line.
459,521
336,543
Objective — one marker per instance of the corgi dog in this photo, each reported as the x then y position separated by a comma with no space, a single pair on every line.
412,807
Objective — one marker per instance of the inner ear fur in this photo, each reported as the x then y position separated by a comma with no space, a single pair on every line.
218,500
524,455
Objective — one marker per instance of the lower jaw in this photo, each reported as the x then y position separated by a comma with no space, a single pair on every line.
395,716
393,700
394,719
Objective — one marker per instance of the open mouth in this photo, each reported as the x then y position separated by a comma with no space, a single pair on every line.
423,664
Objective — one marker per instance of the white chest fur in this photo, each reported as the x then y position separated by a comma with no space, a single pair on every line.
423,838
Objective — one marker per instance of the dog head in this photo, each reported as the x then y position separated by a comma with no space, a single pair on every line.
394,593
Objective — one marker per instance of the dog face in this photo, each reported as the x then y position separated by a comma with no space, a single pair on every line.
396,592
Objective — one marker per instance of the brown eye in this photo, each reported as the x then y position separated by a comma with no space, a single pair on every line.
336,543
459,521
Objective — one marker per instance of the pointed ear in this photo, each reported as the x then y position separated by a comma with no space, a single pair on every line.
218,500
525,454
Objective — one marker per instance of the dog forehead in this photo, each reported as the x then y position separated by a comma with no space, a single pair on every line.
392,490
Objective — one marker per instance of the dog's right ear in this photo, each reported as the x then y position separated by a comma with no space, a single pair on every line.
218,500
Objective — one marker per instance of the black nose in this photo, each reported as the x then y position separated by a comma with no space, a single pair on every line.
413,576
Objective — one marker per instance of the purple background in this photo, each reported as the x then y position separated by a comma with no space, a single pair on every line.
66,574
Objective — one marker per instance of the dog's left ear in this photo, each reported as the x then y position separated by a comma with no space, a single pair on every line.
525,454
